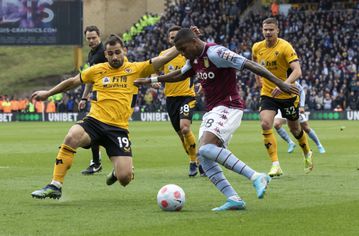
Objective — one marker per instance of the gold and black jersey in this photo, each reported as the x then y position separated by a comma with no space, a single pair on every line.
113,90
181,88
276,59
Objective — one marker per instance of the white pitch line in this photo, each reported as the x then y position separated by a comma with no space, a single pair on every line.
4,167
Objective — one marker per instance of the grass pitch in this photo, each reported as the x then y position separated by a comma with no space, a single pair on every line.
324,202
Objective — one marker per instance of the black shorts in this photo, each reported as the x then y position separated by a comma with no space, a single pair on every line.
179,108
288,107
114,139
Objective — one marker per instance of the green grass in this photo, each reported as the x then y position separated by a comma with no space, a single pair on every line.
324,202
25,68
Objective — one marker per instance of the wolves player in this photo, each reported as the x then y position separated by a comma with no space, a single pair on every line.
107,122
215,67
279,121
180,102
279,57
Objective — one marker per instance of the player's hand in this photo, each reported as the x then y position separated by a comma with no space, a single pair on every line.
286,88
82,105
40,95
156,85
198,88
276,92
301,110
195,30
142,81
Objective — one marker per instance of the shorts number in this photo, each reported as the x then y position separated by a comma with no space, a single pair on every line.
185,108
123,142
209,123
290,110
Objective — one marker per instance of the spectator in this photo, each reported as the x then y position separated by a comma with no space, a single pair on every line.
6,105
327,102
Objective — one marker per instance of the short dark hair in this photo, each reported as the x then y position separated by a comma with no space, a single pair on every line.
113,39
270,20
91,28
184,34
174,28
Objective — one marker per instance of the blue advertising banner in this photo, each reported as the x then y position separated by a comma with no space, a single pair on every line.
41,22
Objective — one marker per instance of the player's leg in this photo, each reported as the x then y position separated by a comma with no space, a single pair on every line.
95,164
302,139
118,148
76,137
311,133
278,125
186,112
210,152
175,105
267,114
122,171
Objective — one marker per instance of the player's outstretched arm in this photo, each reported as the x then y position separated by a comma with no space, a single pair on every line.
262,71
174,76
61,87
159,61
85,97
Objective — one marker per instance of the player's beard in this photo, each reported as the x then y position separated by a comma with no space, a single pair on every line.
116,64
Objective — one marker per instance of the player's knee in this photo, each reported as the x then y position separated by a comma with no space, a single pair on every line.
266,125
306,128
277,125
185,129
205,150
124,179
71,139
295,131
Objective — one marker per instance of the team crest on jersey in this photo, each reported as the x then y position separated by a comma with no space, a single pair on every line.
206,62
263,62
128,70
226,54
106,80
171,68
276,53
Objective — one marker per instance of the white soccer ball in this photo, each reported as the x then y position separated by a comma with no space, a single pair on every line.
171,197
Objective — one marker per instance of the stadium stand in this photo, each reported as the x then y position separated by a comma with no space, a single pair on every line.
322,32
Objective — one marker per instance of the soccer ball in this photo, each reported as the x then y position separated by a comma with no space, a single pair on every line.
171,197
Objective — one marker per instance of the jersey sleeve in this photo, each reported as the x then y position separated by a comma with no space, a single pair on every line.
290,54
87,75
187,70
254,51
146,68
224,58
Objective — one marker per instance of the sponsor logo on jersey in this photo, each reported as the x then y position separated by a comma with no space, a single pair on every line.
171,68
128,70
106,80
206,62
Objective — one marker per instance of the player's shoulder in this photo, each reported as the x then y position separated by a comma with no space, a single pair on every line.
135,66
99,66
259,44
164,51
216,50
284,42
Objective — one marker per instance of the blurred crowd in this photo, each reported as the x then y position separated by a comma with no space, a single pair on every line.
324,36
63,102
325,39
